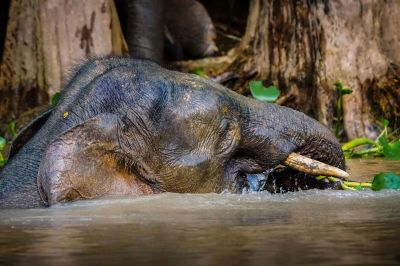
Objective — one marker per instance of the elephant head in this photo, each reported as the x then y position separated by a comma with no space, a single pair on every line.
137,128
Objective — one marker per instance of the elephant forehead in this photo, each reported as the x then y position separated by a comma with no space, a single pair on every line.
195,102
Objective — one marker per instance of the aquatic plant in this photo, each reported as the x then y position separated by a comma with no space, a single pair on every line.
341,91
383,180
386,180
386,145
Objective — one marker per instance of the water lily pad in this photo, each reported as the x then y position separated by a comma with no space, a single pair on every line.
391,150
386,180
258,91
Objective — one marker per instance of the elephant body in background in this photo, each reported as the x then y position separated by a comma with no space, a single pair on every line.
183,27
130,127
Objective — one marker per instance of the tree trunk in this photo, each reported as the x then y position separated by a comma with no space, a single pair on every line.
44,39
304,47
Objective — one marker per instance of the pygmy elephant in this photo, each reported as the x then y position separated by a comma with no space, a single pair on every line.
130,127
181,28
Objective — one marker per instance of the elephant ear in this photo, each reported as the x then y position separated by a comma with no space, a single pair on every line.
84,163
230,137
28,132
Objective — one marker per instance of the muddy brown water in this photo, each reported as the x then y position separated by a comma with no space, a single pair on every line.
303,228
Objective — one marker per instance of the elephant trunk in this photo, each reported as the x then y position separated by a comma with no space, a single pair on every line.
271,133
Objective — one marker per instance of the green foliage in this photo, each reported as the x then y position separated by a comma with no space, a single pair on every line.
383,180
346,185
12,129
391,150
55,98
341,91
199,72
386,180
2,147
258,91
386,145
359,187
384,122
2,143
2,160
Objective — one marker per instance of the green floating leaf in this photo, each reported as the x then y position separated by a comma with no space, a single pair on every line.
391,150
262,93
55,98
2,143
386,180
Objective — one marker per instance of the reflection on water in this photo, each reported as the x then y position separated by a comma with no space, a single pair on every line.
325,227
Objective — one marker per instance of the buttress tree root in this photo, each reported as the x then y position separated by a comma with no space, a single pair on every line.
304,47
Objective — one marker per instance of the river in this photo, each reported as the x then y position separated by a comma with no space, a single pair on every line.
300,228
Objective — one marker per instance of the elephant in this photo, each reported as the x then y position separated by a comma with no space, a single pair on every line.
126,126
181,28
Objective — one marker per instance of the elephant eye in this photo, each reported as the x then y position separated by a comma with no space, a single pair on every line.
229,137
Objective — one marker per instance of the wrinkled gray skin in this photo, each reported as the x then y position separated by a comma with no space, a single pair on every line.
182,26
142,22
189,31
135,128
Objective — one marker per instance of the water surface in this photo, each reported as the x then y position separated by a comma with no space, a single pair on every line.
308,227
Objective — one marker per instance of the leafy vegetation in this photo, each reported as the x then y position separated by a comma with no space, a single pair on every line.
386,145
199,72
12,129
268,94
55,98
383,180
347,185
341,91
3,143
386,180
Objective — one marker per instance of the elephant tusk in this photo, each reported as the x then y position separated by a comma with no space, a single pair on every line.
313,167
